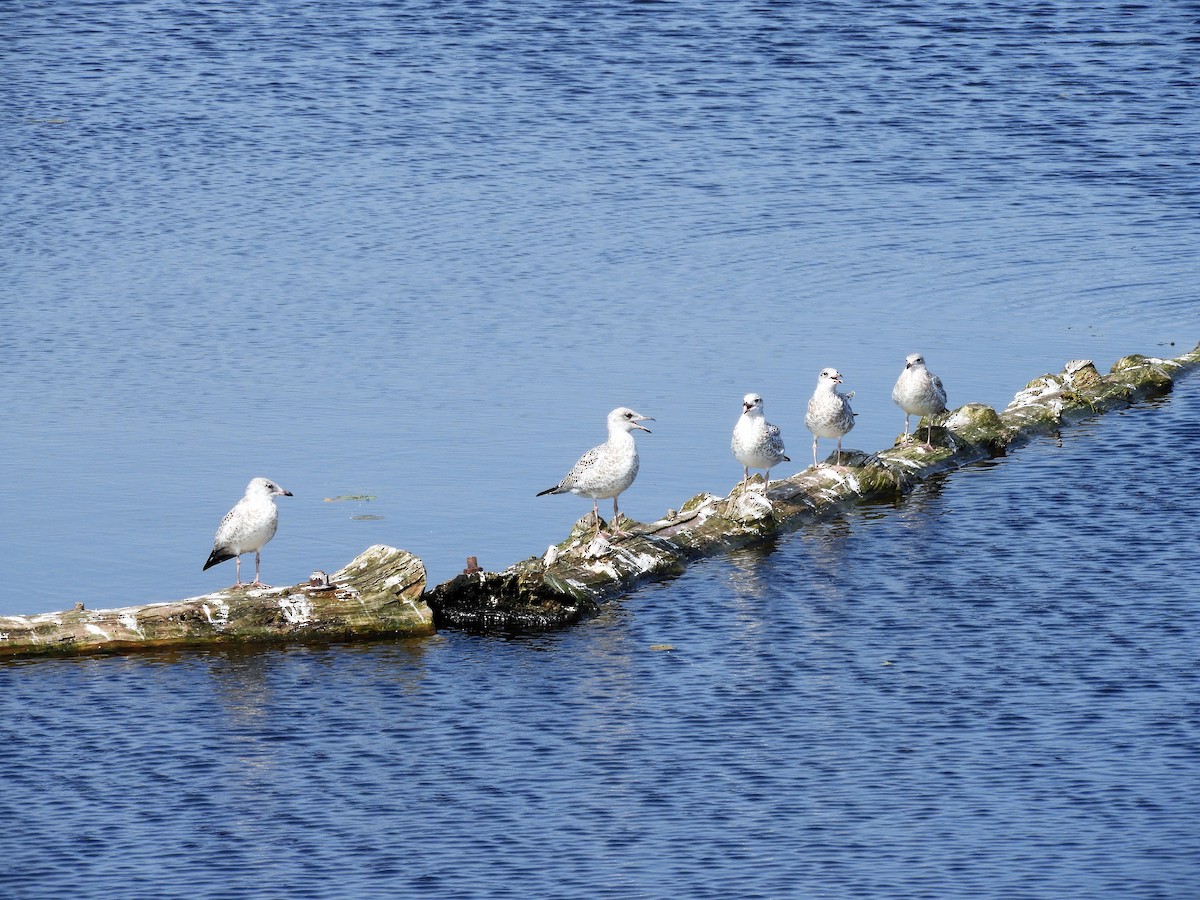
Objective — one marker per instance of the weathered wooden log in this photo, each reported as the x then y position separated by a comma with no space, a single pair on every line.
379,594
570,580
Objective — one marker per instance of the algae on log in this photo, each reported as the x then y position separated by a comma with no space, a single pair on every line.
378,594
568,582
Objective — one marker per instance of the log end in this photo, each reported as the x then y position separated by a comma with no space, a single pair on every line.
379,594
522,599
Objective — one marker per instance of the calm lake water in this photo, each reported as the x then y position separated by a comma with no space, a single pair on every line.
416,251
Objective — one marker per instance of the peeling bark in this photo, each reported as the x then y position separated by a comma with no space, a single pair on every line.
378,594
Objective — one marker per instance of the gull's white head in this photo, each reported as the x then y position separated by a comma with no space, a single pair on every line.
625,419
829,376
752,401
265,487
914,360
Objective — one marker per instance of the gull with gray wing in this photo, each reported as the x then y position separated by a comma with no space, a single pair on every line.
919,393
607,470
248,526
829,414
756,443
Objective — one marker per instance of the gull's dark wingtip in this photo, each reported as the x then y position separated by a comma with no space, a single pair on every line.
219,555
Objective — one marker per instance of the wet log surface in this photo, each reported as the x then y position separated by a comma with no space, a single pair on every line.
379,594
570,581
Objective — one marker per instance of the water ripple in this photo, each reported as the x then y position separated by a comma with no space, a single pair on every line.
986,691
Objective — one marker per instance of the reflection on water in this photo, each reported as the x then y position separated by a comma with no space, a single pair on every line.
745,566
241,684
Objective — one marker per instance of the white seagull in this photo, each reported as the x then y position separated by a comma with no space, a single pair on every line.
919,393
248,526
606,470
756,443
829,413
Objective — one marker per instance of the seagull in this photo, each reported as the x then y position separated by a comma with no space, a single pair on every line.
829,413
756,442
248,526
606,470
919,393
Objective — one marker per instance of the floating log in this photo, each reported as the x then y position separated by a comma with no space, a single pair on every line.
379,594
569,582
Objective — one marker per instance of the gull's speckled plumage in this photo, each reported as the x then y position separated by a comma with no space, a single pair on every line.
248,526
919,393
607,470
756,443
829,414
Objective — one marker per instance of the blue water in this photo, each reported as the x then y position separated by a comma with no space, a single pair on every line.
417,251
988,691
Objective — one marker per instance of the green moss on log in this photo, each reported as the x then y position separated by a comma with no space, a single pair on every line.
574,575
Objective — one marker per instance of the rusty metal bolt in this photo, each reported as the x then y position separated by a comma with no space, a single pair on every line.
319,581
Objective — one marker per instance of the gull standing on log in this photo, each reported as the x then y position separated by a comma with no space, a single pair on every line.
248,526
607,470
829,413
919,393
756,443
